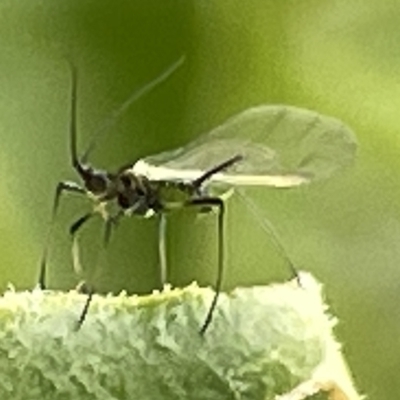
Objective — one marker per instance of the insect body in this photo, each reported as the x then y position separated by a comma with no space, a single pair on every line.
278,146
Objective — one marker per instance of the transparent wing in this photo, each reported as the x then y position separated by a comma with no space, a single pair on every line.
281,146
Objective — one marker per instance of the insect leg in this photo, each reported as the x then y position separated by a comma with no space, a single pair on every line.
88,289
73,230
267,227
79,223
219,203
83,287
162,250
108,226
197,183
60,189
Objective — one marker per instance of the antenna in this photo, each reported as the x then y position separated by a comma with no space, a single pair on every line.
72,128
110,121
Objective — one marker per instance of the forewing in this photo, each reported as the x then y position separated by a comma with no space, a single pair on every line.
281,146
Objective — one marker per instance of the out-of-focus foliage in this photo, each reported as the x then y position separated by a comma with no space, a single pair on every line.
338,57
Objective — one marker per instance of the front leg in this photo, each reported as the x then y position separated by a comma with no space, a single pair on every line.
84,287
219,204
73,230
61,188
162,249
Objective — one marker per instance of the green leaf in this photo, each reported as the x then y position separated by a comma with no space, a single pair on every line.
263,342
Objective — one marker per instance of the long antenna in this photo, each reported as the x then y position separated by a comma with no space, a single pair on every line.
72,128
110,121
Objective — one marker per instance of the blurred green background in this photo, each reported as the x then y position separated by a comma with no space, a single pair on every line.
339,57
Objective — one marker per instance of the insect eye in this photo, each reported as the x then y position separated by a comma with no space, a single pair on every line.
96,183
123,201
140,191
126,181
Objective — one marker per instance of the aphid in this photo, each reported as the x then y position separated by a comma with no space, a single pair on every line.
268,145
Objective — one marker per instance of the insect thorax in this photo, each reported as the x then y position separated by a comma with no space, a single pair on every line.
138,195
133,194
